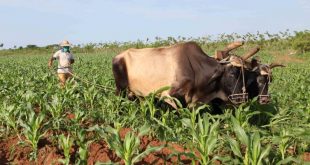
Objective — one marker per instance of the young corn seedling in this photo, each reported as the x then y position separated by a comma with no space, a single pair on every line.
83,147
254,153
128,149
56,110
65,143
75,121
147,105
285,139
204,137
10,117
33,132
243,115
90,96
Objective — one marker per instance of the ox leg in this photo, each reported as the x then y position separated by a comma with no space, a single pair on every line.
168,99
120,76
182,91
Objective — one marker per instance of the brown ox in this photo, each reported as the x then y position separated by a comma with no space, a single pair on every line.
192,75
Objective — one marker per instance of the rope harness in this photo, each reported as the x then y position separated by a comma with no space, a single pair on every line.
86,81
267,96
239,97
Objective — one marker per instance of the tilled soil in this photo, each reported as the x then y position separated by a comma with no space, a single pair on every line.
12,152
98,151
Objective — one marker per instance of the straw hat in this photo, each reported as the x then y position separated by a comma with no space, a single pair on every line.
65,43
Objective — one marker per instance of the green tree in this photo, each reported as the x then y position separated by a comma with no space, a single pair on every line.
301,41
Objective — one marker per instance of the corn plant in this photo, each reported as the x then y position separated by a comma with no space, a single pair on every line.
204,137
10,117
56,110
243,115
285,140
83,147
90,96
33,131
296,139
74,124
128,149
147,105
65,143
254,153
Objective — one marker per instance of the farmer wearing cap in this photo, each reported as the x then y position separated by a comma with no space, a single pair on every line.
65,59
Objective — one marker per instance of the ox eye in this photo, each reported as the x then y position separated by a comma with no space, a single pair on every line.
232,74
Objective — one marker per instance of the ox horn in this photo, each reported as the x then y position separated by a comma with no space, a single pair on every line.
273,65
222,54
233,46
250,53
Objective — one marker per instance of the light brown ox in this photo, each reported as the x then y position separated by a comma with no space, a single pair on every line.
192,75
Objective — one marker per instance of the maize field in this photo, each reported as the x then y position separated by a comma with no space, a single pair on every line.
85,123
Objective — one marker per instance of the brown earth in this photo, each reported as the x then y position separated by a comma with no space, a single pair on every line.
306,157
48,153
12,152
286,58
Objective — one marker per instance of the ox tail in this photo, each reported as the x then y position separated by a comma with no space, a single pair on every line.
120,75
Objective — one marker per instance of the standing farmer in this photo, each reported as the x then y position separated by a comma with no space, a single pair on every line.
65,58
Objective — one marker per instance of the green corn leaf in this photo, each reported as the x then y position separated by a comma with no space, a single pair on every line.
264,154
147,151
289,160
256,146
144,130
241,135
186,122
235,147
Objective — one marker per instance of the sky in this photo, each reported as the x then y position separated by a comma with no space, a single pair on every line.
44,22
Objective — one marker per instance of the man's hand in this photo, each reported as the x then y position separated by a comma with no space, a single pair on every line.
71,61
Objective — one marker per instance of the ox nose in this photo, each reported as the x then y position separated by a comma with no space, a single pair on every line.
264,99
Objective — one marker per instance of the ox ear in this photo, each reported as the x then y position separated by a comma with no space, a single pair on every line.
264,72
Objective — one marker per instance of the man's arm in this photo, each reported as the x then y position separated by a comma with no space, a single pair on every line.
50,62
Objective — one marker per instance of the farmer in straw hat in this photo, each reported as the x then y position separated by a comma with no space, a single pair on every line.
65,59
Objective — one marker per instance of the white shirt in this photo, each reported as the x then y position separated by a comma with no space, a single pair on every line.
64,63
